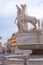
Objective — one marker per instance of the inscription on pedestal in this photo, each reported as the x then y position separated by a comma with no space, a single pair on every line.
27,39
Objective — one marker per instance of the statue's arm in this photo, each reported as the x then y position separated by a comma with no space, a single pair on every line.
15,20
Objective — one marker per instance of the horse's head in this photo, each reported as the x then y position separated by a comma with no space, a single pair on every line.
18,9
24,9
23,6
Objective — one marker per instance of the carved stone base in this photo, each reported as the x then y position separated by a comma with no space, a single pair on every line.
29,41
35,59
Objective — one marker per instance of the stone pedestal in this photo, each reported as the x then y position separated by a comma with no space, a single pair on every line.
34,42
30,41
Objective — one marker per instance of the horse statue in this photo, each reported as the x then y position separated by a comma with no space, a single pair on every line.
23,18
22,26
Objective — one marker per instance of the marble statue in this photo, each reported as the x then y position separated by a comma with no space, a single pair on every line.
22,25
23,18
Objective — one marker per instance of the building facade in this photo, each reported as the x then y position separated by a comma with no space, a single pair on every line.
11,43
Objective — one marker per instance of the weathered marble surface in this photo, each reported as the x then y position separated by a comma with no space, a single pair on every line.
31,40
35,60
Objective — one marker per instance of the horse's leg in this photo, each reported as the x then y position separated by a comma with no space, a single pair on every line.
19,26
35,27
38,24
34,24
24,26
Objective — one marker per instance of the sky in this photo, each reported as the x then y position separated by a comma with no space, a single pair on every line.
8,14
